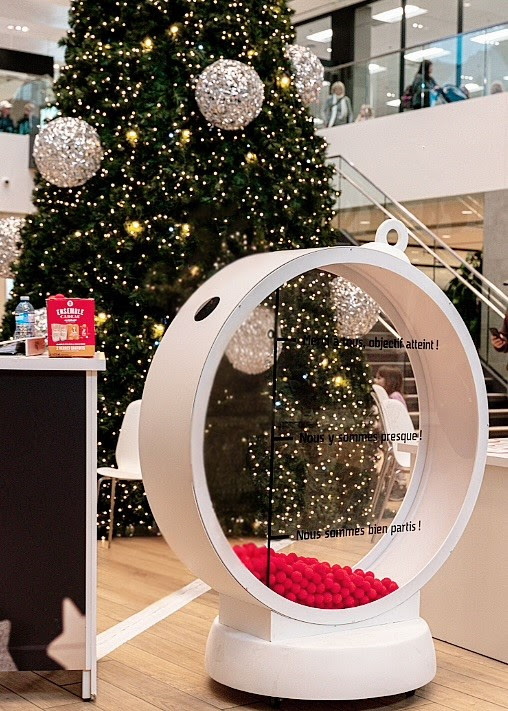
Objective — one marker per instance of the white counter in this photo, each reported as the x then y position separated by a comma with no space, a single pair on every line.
44,362
48,512
465,602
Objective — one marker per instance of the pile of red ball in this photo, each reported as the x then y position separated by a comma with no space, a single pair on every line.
311,582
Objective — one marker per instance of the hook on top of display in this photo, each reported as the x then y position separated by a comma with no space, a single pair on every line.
381,243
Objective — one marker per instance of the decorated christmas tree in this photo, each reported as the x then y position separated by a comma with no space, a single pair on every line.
185,163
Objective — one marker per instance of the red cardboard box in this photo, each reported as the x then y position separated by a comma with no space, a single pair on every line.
71,327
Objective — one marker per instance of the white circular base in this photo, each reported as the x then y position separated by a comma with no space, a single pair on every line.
359,663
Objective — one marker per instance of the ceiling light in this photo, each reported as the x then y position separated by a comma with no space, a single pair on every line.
323,36
446,236
395,15
18,28
376,68
467,212
393,102
491,37
10,27
365,222
24,28
472,87
429,53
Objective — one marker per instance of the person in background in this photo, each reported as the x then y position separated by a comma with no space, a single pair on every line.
390,378
338,109
366,113
423,86
6,123
25,123
496,87
500,343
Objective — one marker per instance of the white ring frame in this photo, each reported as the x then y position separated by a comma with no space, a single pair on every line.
451,458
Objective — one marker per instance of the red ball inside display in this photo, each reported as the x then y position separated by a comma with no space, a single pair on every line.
314,583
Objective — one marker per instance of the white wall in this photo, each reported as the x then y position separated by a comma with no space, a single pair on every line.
449,149
16,195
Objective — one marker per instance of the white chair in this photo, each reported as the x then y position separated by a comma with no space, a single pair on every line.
380,392
386,450
396,419
126,456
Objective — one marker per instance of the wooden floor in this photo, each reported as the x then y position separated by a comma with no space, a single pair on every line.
163,668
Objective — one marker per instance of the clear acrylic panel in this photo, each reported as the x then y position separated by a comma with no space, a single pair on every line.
310,407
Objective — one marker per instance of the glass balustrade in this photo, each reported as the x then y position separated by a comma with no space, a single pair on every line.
474,62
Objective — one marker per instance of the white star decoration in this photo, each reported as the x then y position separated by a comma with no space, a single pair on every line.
68,649
6,661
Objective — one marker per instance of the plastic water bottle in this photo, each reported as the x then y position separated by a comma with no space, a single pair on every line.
25,319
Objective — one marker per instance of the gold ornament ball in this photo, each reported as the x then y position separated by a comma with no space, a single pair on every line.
101,318
284,81
134,228
132,136
251,158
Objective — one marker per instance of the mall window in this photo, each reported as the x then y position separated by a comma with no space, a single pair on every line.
430,20
377,28
483,13
317,36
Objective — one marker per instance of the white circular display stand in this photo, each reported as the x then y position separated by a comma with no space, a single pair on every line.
262,642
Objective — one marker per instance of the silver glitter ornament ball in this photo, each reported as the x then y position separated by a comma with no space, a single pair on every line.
308,72
251,348
41,322
68,152
355,312
10,228
229,94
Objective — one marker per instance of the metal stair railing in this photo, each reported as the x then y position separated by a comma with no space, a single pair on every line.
498,301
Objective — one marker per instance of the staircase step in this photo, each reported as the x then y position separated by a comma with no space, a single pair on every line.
498,415
497,400
498,431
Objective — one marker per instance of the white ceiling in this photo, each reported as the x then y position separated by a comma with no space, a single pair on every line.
47,22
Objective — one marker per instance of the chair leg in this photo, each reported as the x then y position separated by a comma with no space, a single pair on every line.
112,511
99,482
388,491
387,459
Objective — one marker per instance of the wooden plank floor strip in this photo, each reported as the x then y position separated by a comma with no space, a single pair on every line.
141,621
162,668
